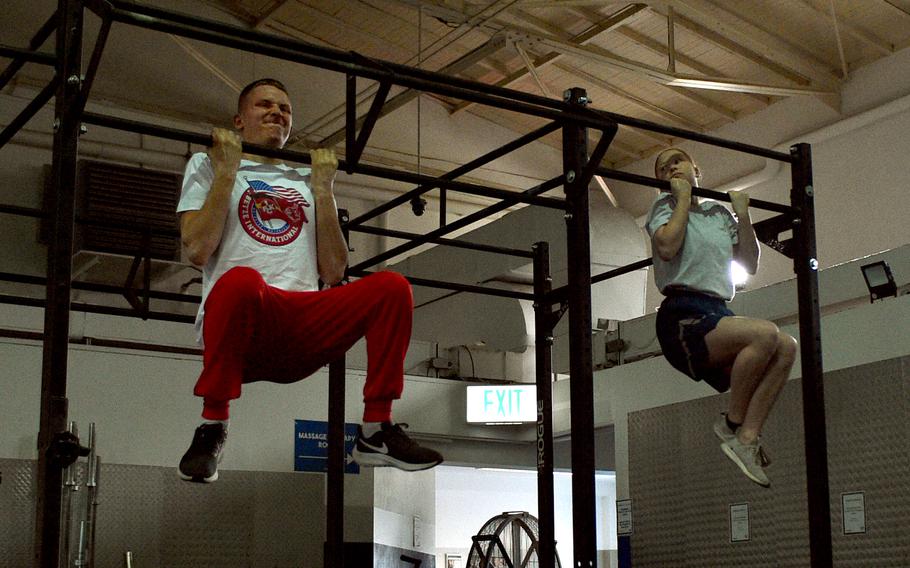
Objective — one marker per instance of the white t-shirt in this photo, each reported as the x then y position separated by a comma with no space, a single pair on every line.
703,262
270,227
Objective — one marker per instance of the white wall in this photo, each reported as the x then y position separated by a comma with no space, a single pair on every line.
466,498
404,504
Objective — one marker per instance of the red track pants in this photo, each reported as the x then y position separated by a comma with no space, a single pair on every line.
256,332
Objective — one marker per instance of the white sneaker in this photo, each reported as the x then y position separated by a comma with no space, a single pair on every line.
748,458
724,434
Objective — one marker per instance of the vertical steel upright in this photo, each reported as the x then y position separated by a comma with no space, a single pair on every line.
543,341
578,242
60,222
805,264
334,493
334,490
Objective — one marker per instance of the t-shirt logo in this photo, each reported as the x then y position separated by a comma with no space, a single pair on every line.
272,215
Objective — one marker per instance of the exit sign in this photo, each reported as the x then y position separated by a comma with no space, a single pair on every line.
497,404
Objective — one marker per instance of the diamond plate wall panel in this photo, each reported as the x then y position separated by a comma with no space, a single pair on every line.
867,439
130,514
655,463
288,520
781,511
246,519
17,512
682,485
208,525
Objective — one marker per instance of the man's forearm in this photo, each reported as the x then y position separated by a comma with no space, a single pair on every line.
201,230
331,248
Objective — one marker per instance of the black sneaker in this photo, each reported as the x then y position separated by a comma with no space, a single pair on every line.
200,462
392,447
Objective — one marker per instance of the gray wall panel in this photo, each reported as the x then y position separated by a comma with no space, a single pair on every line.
682,485
657,466
867,439
289,520
246,519
208,525
17,512
130,514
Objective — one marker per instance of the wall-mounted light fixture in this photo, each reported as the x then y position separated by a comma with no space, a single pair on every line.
879,280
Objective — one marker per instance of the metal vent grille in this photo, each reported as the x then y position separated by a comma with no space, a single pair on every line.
120,204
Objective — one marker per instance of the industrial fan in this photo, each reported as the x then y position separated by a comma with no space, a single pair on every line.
509,540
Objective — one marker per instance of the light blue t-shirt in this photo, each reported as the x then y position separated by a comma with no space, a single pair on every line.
703,262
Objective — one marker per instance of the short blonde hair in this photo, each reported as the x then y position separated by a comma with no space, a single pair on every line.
679,150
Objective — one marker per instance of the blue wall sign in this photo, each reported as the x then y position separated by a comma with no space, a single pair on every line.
311,447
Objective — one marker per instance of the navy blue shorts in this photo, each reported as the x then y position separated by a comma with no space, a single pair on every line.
683,321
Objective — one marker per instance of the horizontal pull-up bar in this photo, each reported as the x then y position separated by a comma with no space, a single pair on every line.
28,112
460,223
94,309
21,56
345,62
107,224
699,191
469,188
558,295
441,241
22,211
304,158
461,170
102,288
698,137
37,41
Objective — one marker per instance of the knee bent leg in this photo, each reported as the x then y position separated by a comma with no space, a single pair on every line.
393,286
238,284
786,347
765,336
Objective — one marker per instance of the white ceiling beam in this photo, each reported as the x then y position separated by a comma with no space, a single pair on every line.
452,36
700,100
726,24
264,15
207,63
845,70
653,136
656,47
663,113
671,40
659,75
563,3
689,62
533,71
612,22
738,49
705,102
660,49
541,23
602,183
650,107
896,5
880,45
